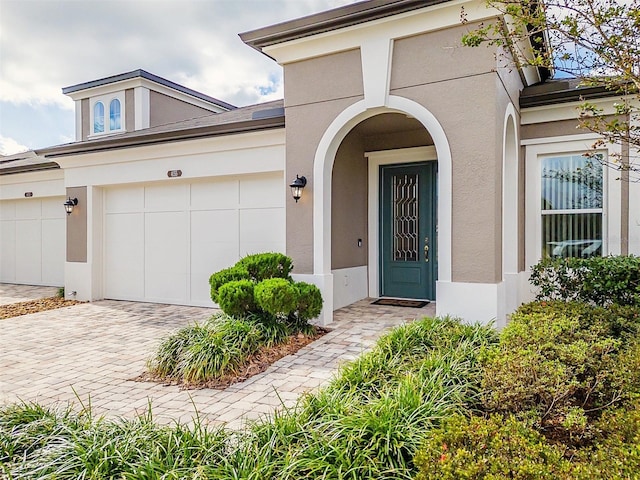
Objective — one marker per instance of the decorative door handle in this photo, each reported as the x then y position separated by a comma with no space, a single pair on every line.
426,249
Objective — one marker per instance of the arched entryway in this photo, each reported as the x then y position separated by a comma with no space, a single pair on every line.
347,195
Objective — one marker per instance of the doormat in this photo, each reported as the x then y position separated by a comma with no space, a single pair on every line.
401,302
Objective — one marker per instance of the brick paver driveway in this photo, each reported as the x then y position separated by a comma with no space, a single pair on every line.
90,353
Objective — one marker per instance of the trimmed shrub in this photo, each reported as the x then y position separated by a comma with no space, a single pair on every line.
262,266
597,280
496,447
276,296
309,301
273,292
236,298
559,361
505,447
227,275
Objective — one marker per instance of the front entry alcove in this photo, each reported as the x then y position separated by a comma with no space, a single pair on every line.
384,211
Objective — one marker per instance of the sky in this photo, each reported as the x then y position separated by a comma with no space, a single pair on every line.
46,45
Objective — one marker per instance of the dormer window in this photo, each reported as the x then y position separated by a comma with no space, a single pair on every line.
114,114
101,124
98,117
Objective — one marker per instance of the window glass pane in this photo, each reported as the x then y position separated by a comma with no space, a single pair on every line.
571,182
98,118
114,115
572,235
405,218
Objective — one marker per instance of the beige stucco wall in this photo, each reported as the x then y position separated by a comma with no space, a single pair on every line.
349,205
77,226
461,88
85,116
164,109
130,109
316,91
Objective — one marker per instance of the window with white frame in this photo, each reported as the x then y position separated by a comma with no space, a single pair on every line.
572,205
106,114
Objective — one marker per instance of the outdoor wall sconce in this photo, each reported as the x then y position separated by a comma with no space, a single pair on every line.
69,204
297,186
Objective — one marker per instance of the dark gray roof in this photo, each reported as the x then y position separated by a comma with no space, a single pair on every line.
24,162
262,116
561,91
148,76
340,17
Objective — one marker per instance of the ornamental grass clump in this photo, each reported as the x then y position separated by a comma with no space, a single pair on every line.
369,421
48,443
199,353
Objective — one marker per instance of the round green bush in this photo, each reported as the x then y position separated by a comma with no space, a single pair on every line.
276,296
309,303
236,298
262,266
227,275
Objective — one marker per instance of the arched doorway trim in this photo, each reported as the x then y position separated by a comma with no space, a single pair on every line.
322,172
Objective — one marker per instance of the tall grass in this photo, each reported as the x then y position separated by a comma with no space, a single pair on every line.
369,422
366,424
203,352
44,443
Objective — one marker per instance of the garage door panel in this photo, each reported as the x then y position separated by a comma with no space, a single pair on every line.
220,194
124,200
8,251
32,240
187,231
29,209
166,253
124,256
259,225
7,210
262,191
53,250
215,226
53,209
168,198
28,251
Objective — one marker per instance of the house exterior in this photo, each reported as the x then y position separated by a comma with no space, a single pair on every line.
434,171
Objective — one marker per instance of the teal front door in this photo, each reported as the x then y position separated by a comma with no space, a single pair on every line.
408,231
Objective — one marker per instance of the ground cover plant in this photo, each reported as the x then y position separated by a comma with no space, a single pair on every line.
367,423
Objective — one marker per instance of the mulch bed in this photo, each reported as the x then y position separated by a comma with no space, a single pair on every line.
257,363
34,306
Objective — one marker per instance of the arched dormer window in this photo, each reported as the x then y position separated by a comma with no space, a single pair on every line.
114,115
98,117
107,114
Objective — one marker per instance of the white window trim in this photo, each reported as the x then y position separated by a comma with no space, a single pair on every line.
611,203
106,101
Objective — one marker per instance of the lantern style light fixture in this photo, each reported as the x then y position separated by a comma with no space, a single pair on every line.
297,186
69,204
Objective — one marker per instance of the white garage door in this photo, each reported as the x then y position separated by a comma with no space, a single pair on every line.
32,241
163,241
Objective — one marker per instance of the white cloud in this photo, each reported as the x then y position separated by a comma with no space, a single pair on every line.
194,42
50,44
8,146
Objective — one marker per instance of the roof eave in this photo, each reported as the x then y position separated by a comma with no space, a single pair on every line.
29,168
565,96
163,137
336,18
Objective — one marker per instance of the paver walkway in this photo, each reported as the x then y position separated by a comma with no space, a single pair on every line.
93,350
